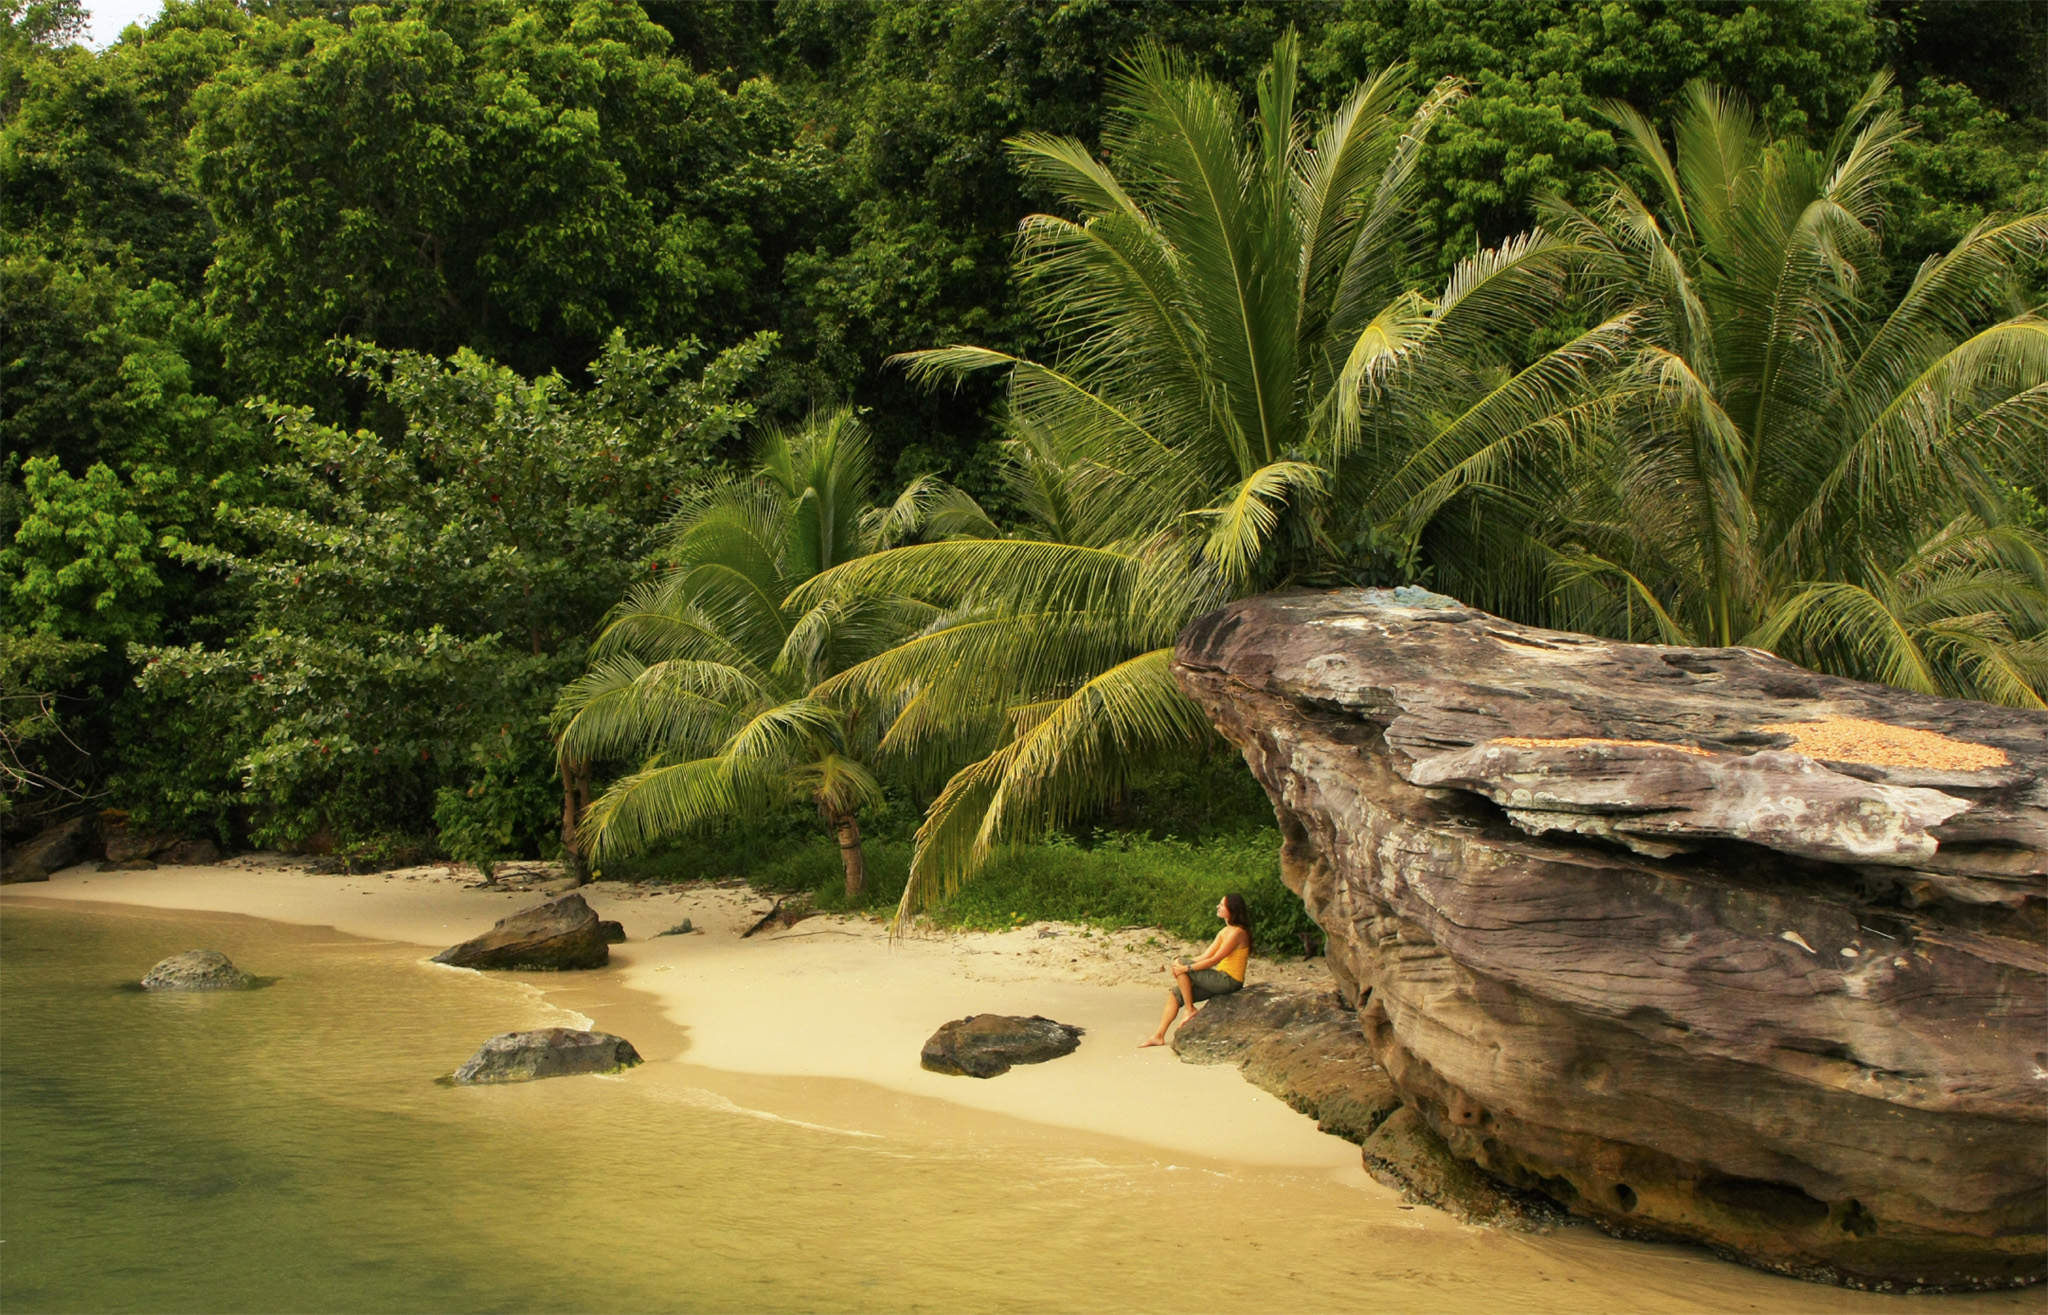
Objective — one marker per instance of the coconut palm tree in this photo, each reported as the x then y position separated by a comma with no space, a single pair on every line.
1237,356
707,677
1805,460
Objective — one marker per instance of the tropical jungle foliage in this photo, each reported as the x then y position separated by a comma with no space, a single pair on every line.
361,359
710,678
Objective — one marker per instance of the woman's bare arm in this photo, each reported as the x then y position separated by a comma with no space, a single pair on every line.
1221,948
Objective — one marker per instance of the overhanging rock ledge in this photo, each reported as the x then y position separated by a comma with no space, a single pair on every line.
1699,943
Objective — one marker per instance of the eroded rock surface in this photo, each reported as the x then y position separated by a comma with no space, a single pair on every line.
1698,943
550,1052
196,970
988,1045
562,933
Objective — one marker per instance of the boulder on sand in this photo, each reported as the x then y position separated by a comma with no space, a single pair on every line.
1701,945
53,848
197,970
986,1045
124,844
614,933
551,1052
190,853
562,933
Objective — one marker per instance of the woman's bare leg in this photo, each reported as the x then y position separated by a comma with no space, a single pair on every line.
1165,1021
1186,984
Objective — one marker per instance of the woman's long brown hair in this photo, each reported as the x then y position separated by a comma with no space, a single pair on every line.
1239,916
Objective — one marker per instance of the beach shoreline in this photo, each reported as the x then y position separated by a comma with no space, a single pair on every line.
831,998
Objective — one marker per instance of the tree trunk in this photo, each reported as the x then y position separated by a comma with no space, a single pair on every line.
575,803
851,854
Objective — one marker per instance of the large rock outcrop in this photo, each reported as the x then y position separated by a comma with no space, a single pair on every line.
563,933
1697,942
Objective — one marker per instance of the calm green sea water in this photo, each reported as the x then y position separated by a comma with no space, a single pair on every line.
288,1149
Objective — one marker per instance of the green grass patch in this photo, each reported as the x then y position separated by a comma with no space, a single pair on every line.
1109,880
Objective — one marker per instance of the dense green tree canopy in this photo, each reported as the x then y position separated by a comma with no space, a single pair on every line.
193,217
415,601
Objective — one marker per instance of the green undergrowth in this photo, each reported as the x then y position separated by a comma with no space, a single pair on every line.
1107,880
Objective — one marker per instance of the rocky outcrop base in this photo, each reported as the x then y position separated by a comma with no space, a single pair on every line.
988,1045
1308,1049
1304,1047
552,1052
562,933
197,970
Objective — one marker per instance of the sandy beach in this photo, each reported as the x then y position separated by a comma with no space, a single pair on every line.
831,997
819,1025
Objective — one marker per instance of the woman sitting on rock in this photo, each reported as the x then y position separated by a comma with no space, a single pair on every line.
1218,972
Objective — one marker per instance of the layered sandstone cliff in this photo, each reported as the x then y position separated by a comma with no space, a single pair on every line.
1698,943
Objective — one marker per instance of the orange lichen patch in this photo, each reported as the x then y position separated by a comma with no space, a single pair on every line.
1574,741
1854,740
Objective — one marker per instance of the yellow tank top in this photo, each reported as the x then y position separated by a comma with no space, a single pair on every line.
1234,962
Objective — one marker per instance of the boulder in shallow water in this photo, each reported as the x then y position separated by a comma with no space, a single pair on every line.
614,933
197,970
1701,945
562,933
987,1045
551,1052
52,849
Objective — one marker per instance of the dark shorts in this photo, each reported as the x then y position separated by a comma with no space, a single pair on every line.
1207,983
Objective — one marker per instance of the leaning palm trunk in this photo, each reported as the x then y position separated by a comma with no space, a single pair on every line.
1238,359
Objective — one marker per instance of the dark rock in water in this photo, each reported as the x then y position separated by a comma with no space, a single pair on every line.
52,849
614,933
552,1052
562,933
1702,945
987,1045
682,928
197,970
190,853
